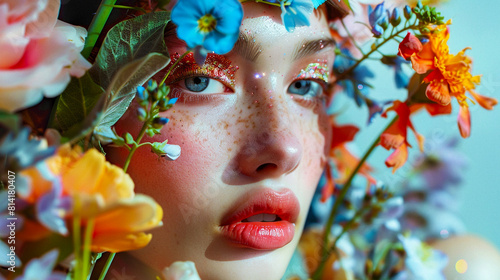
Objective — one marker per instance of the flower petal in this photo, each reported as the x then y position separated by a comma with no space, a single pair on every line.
138,214
438,92
115,242
464,121
485,101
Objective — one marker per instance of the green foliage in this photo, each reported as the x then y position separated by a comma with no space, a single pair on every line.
127,41
9,122
428,15
122,88
76,103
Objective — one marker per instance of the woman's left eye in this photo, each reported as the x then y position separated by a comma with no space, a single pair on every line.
306,88
203,85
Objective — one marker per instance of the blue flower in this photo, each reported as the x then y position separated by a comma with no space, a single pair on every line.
42,267
318,3
19,152
378,19
396,62
295,13
214,25
375,108
52,206
354,85
422,262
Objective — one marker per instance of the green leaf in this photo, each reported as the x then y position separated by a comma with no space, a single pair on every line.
9,122
76,102
381,250
127,41
123,87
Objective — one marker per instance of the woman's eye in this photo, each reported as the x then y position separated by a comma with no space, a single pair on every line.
205,85
306,88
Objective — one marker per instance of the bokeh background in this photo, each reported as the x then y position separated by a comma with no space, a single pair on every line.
475,24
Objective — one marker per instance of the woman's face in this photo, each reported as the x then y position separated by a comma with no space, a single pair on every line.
253,150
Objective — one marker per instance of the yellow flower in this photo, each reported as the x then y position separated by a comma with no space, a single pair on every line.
103,193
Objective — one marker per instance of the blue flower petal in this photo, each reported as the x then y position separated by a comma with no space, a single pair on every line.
190,34
318,3
229,16
296,14
220,43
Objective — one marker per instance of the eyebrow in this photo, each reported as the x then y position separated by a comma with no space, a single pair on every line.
313,46
247,47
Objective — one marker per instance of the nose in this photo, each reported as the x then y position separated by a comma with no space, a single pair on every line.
272,147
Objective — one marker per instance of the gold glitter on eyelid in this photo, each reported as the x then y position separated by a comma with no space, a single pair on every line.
315,71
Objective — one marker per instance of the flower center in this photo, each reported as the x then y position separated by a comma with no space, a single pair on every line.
207,23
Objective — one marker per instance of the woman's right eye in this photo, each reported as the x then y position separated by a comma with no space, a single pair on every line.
203,85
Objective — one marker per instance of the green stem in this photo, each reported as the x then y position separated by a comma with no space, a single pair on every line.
77,238
340,198
134,148
89,230
172,67
107,266
97,25
351,37
348,71
319,271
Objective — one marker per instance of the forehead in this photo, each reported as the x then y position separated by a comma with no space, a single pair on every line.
263,23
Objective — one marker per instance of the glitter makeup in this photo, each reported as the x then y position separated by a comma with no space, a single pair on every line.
315,71
216,67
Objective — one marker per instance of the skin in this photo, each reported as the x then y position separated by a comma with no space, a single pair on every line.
256,135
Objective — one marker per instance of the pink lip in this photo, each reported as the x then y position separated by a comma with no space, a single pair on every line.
262,235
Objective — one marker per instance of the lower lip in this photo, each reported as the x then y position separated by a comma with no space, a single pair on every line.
260,235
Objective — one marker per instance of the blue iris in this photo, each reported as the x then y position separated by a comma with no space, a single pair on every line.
214,25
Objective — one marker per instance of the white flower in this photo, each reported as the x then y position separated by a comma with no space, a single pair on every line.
422,261
181,271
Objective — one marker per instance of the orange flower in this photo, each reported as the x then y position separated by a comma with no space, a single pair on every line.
343,159
449,75
101,192
396,136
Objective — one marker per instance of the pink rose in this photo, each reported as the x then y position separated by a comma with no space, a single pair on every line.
38,53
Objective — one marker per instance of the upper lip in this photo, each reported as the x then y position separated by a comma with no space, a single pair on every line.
283,204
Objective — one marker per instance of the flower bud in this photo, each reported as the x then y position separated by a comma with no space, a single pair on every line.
395,17
141,114
384,22
142,93
407,12
171,152
159,122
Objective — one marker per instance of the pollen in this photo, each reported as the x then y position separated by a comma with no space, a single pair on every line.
207,23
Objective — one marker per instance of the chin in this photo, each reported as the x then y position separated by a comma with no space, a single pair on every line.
270,266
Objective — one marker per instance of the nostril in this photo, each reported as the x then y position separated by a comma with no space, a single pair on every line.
267,167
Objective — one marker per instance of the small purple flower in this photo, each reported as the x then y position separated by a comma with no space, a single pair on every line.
441,165
295,13
52,206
